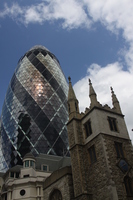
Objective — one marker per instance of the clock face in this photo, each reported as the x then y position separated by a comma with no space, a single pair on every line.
123,165
56,195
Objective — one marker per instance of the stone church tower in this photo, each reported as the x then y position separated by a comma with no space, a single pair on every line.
100,150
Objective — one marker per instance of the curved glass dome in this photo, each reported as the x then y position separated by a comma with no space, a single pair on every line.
34,113
39,47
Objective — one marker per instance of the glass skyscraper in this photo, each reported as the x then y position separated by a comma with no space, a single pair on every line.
34,113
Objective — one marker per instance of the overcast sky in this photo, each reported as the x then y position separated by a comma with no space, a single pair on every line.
91,38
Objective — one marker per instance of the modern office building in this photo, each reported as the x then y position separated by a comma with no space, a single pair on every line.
34,113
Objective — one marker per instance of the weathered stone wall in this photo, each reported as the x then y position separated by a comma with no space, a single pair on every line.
95,178
75,134
106,178
71,137
100,124
78,158
116,173
99,173
64,184
79,167
102,179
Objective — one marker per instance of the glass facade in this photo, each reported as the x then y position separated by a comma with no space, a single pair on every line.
34,113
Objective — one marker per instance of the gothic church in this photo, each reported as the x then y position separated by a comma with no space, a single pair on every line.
100,163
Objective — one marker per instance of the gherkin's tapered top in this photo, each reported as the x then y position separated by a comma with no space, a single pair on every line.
39,47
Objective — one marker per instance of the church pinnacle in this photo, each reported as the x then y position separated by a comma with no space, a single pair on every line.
115,101
92,95
73,107
71,94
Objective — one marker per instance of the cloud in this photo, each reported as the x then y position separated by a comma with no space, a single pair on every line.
116,16
69,12
102,78
12,11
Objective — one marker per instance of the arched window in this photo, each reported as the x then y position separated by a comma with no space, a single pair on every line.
128,185
55,195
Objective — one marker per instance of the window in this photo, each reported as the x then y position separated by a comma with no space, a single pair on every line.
123,165
6,196
31,163
112,124
26,176
56,194
88,129
27,163
44,167
12,174
119,150
17,175
128,185
92,154
22,192
76,107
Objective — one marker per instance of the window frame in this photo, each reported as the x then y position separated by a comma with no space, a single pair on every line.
26,176
128,186
17,175
113,124
32,163
88,128
119,149
43,165
92,154
56,193
12,174
27,163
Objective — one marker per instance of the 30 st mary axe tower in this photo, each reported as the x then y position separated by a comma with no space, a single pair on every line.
34,113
